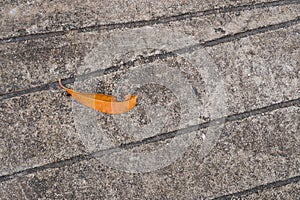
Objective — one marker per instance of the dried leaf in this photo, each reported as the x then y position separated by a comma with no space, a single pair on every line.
101,102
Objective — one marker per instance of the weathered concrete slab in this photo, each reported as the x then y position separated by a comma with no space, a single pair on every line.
43,60
156,103
48,58
259,69
36,129
43,16
250,152
41,127
290,191
28,64
258,72
214,26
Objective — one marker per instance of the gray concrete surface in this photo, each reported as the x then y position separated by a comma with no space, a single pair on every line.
30,17
256,52
249,153
45,65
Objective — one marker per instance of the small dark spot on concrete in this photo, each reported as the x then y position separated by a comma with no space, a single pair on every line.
237,13
22,31
251,52
220,30
195,91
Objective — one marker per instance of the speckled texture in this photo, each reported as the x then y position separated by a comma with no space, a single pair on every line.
249,153
62,55
46,16
291,191
259,69
46,121
40,127
36,129
244,92
32,63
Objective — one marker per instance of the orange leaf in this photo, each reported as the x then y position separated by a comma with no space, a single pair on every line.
101,102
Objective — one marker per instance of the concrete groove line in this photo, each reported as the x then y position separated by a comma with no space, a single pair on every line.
157,20
259,188
152,58
229,118
161,137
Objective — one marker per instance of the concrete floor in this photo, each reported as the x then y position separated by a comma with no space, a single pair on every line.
218,110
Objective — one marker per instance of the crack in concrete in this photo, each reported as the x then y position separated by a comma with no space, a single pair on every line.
259,188
157,138
157,20
152,58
